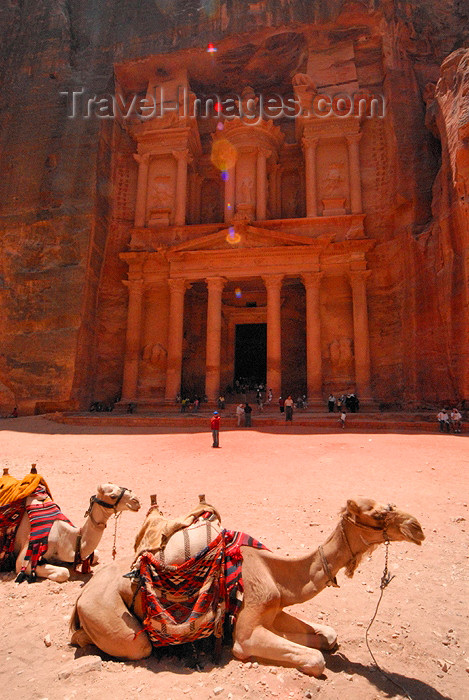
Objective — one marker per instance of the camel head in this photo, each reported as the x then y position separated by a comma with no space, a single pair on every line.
373,523
117,497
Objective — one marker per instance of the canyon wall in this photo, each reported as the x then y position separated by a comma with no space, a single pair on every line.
66,209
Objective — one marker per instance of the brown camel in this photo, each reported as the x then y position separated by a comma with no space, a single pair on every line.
263,630
62,543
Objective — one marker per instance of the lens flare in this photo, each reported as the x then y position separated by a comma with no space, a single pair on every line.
223,155
224,175
232,237
220,126
211,48
238,293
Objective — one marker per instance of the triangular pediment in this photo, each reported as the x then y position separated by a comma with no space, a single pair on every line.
242,236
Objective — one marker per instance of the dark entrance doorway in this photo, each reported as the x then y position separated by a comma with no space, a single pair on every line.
251,352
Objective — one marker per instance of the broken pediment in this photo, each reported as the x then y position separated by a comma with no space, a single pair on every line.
242,236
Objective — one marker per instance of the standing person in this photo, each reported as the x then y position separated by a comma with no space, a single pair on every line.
270,396
288,405
281,404
215,426
331,403
456,419
14,413
239,413
247,415
342,418
196,404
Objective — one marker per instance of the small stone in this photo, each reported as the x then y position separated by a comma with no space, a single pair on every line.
218,690
83,665
47,640
249,664
255,664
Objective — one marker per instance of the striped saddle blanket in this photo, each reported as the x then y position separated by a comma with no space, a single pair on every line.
186,595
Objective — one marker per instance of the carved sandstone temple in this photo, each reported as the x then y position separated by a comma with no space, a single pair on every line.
245,221
177,245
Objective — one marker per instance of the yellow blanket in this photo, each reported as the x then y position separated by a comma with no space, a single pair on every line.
12,489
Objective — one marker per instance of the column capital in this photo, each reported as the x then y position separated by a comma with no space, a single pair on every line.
309,142
183,155
215,283
354,137
177,285
142,158
273,281
312,279
134,285
264,152
358,277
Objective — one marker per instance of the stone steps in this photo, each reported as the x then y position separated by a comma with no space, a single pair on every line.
314,421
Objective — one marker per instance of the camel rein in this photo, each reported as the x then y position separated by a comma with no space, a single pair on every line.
386,579
94,499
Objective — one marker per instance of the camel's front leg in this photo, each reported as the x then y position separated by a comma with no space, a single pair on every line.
105,620
59,574
262,643
305,633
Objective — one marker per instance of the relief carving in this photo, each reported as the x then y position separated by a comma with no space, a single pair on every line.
161,194
340,351
155,354
334,180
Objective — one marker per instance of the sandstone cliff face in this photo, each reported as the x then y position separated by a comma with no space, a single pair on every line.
64,219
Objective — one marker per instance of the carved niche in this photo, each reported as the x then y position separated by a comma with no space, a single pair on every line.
341,358
160,200
211,202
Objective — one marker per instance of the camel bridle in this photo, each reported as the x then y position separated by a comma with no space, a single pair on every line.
332,580
94,499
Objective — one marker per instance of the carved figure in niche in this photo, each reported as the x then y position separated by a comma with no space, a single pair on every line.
334,179
162,193
340,351
155,354
247,187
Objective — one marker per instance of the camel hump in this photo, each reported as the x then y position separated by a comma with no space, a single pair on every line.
187,543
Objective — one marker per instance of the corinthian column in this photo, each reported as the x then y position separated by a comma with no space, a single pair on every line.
261,184
132,340
142,187
310,146
273,284
353,141
182,158
312,283
230,189
212,357
361,339
177,288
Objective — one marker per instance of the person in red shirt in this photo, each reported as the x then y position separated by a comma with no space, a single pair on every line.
215,426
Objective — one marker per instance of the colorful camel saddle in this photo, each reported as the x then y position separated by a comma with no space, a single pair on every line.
13,495
191,600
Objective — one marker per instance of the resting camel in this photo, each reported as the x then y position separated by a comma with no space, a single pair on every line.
63,544
263,630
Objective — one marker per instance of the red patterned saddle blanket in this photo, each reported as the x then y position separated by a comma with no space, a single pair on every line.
190,600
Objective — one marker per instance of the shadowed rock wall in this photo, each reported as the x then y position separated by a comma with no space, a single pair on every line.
62,305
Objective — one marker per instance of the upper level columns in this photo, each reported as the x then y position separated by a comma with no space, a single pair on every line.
261,184
142,186
273,284
132,339
230,190
353,141
361,338
183,158
177,288
310,146
312,283
212,357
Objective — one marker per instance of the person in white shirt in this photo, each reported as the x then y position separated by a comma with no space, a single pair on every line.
443,420
239,413
456,419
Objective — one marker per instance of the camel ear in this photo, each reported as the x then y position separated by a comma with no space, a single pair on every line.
353,508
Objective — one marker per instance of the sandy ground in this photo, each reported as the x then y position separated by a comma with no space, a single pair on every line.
285,486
